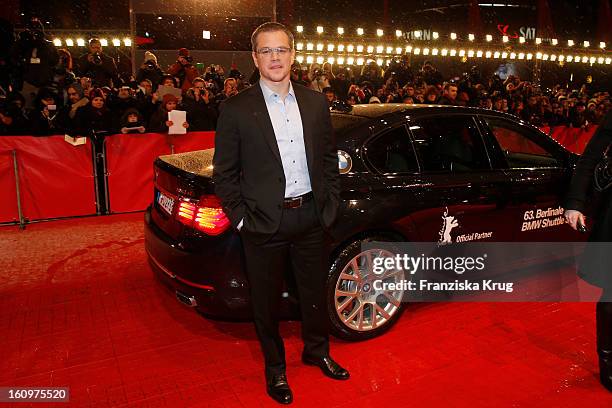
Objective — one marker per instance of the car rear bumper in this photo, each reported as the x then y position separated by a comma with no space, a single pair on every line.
211,278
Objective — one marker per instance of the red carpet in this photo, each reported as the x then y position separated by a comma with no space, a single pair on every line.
79,307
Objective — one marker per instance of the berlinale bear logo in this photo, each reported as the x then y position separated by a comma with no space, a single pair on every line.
447,226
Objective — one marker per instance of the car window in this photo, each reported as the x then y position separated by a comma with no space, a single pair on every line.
449,144
392,152
519,146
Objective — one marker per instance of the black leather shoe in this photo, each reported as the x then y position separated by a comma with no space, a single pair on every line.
329,367
278,389
605,368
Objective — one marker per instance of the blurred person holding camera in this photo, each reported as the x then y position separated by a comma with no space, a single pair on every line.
150,70
201,114
184,70
34,58
319,79
98,66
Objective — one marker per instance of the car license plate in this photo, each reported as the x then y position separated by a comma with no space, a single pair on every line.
165,202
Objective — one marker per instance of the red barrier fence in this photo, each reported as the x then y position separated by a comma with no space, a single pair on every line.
130,158
55,178
573,139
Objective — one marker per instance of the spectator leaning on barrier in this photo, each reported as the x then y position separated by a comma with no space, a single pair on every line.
95,116
144,97
150,70
14,119
67,113
98,66
159,121
43,117
201,114
132,122
123,101
183,69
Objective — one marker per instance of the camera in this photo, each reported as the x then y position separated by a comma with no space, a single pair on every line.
96,58
150,64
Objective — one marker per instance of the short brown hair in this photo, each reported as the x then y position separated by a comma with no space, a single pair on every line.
268,28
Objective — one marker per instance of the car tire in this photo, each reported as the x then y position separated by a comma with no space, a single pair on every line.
350,304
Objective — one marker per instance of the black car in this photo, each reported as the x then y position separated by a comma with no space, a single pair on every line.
412,173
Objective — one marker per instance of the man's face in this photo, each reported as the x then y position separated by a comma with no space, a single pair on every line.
409,90
329,96
273,66
124,93
73,95
146,86
95,48
132,118
170,106
452,92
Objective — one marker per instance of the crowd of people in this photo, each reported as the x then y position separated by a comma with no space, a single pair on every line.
50,92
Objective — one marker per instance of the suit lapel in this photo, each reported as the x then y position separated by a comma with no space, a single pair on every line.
307,123
262,117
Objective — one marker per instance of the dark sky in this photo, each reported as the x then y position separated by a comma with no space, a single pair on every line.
113,14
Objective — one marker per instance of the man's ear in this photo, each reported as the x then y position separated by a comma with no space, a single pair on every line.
254,55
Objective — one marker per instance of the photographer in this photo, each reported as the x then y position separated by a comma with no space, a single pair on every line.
214,75
318,78
98,66
201,113
150,70
34,58
184,70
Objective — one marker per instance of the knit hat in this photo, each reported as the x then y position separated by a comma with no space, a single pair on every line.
96,93
169,98
183,52
149,56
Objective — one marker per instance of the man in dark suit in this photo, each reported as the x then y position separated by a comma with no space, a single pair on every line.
276,172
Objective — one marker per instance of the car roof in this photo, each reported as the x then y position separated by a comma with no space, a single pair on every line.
376,110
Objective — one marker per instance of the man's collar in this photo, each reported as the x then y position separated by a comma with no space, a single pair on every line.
268,93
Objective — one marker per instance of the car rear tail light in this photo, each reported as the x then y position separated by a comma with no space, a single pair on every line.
207,216
186,212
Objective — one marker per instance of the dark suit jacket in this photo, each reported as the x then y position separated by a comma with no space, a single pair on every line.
594,264
248,173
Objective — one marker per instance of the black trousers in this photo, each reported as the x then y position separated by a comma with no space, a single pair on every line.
300,239
603,315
